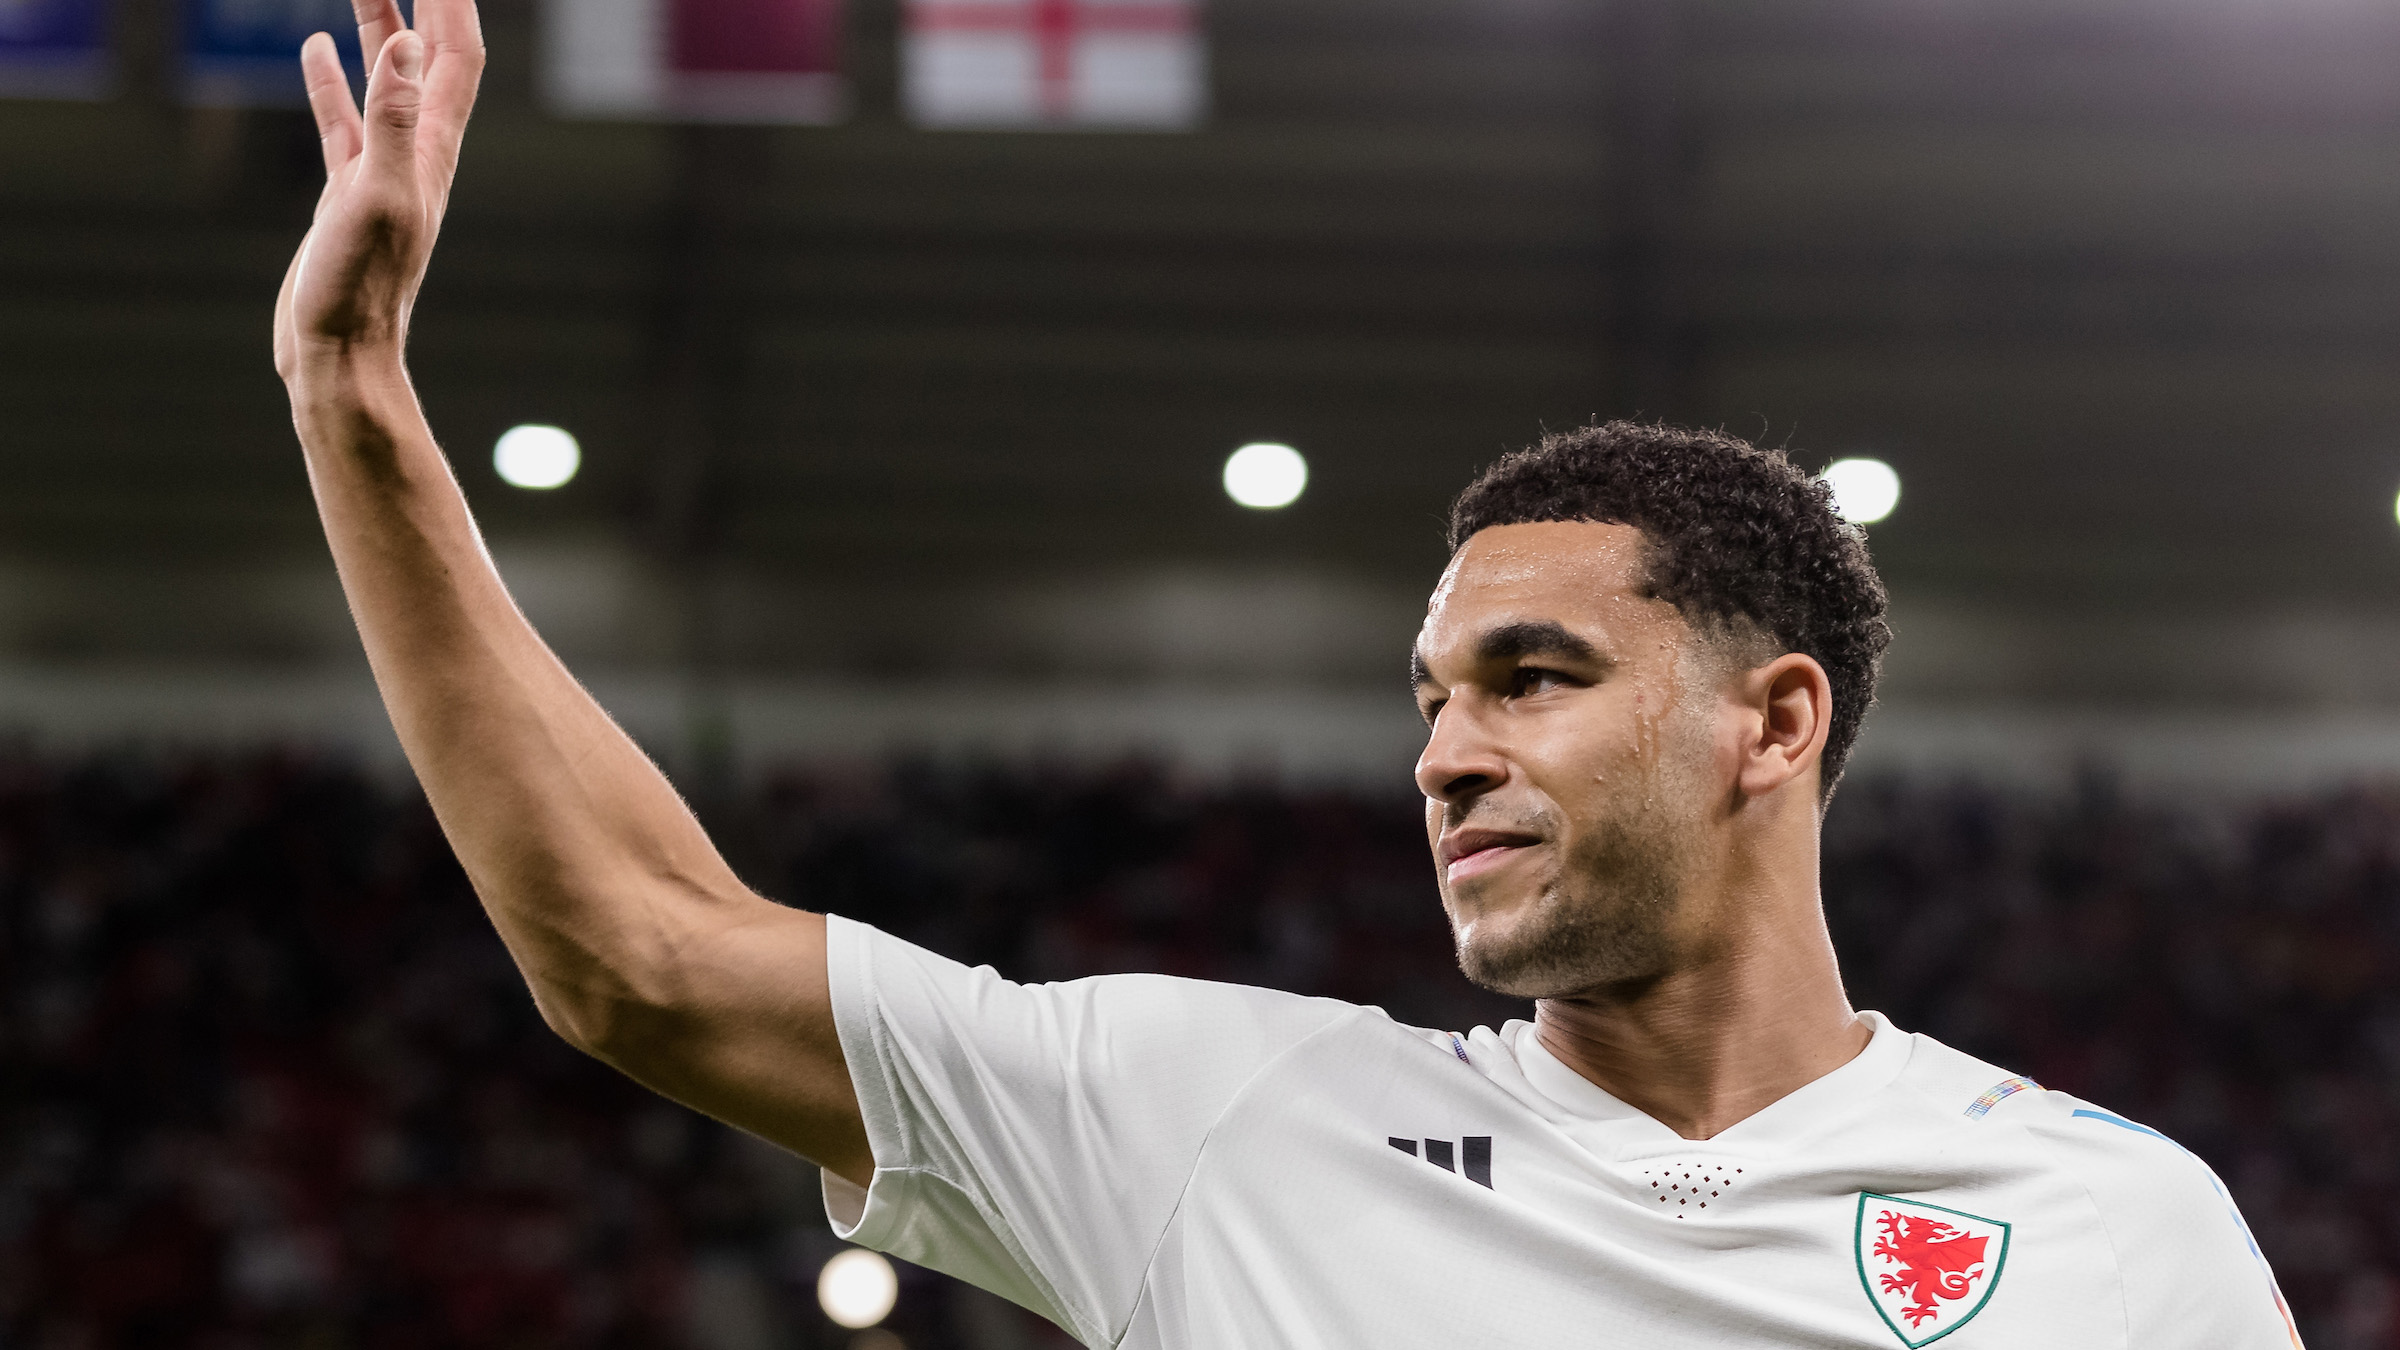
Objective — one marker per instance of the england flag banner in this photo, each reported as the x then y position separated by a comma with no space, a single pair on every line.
1135,64
55,49
246,53
758,61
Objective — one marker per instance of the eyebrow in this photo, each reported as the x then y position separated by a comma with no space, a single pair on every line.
1514,641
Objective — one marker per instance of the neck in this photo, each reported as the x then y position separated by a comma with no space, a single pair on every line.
1756,1015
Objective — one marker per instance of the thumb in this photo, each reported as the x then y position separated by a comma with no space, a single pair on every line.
395,98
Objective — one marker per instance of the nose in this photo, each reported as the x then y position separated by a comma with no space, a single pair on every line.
1461,759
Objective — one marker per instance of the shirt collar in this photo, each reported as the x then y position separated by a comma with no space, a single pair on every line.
1602,1122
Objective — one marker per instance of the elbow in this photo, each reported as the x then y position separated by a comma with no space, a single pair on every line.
622,992
588,1024
609,1020
627,1033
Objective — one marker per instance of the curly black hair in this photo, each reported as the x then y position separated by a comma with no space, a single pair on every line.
1738,538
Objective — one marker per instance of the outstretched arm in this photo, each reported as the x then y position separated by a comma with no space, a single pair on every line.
640,944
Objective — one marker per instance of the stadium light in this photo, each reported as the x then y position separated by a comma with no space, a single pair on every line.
1864,490
1264,475
857,1288
537,457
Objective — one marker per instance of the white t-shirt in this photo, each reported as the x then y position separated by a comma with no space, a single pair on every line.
1169,1164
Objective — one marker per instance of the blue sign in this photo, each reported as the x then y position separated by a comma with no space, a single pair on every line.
246,53
56,49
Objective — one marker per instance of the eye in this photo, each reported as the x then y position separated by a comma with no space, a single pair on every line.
1431,709
1535,680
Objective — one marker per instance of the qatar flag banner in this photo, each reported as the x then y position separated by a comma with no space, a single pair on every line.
760,61
55,49
1136,64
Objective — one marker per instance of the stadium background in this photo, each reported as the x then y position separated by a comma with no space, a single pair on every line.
900,541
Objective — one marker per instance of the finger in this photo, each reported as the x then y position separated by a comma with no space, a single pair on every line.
338,131
454,36
377,21
450,25
395,102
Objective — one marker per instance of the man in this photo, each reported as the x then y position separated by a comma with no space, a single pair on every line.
1641,672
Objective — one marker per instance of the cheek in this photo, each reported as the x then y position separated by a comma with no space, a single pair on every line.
1644,751
1579,769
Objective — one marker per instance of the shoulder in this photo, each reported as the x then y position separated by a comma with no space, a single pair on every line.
2186,1265
2185,1258
2125,1166
2132,1171
2190,1266
2144,1183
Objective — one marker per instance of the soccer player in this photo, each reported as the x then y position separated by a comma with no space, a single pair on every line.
1640,672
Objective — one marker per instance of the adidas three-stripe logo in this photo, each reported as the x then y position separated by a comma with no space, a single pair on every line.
1471,1158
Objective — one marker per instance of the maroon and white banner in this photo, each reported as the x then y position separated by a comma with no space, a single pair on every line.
695,60
1055,63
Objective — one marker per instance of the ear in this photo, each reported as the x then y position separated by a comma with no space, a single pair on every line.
1788,707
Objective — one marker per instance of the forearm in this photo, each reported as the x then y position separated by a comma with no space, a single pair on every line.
640,944
594,872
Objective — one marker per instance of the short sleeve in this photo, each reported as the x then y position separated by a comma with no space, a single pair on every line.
1035,1139
2192,1273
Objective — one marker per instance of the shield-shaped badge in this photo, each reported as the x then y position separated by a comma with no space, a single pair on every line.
1928,1270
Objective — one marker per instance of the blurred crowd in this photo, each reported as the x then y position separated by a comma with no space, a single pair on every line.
271,1080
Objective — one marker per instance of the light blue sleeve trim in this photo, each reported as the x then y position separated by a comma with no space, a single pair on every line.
2122,1123
2240,1224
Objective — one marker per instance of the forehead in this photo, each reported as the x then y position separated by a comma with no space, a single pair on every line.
1576,572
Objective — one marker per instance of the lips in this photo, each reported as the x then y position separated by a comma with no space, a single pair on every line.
1472,852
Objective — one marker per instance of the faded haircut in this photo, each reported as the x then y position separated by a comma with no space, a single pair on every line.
1739,539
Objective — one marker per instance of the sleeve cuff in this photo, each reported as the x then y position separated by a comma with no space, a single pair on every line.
849,956
845,1205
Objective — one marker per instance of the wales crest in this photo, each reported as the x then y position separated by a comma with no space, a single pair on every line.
1928,1270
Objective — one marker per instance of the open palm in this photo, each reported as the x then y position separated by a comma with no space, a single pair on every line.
387,177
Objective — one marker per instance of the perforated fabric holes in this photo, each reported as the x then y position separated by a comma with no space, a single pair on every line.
1686,1188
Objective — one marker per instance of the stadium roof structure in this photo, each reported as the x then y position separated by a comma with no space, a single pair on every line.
2116,285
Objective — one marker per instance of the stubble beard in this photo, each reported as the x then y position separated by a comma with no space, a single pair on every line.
1604,919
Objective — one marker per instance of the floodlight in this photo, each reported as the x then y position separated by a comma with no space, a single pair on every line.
1864,490
1264,475
857,1288
536,457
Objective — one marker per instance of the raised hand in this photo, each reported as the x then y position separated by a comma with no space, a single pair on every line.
387,180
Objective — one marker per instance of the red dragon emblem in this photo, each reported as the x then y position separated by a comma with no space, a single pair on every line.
1936,1261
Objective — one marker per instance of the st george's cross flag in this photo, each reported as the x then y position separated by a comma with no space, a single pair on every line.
1136,64
764,61
55,49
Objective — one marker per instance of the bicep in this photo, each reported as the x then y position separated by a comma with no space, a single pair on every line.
746,1034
